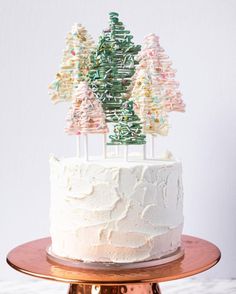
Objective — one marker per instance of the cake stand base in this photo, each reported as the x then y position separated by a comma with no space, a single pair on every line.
149,288
31,258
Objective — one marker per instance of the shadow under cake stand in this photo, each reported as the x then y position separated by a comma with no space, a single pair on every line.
31,258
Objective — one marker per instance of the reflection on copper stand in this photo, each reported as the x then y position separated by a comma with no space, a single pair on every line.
115,289
31,258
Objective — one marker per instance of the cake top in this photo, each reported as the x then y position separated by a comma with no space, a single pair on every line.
116,87
116,162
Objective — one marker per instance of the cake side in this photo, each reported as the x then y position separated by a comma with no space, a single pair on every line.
113,211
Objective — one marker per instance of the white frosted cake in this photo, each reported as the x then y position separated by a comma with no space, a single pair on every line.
115,211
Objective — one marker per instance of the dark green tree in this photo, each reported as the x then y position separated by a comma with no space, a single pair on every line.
112,66
128,130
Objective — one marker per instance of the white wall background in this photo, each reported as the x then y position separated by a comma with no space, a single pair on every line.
199,36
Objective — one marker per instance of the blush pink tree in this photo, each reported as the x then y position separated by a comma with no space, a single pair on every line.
154,89
86,116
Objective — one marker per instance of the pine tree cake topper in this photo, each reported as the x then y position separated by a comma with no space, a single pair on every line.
86,115
154,89
119,83
75,64
151,113
128,130
162,74
113,65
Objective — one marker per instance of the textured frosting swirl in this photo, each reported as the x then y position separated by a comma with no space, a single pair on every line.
113,211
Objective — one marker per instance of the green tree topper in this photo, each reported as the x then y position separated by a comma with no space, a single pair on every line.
112,66
128,130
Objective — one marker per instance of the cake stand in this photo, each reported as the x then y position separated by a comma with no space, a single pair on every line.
31,258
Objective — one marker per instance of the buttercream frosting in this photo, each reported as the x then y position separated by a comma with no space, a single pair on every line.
113,211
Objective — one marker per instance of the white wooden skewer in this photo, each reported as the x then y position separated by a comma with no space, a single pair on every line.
117,151
153,146
77,146
104,146
86,146
144,151
126,152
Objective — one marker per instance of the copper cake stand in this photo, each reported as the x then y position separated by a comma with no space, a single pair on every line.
31,258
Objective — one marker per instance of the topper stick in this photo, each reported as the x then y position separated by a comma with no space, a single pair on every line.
117,151
77,146
86,146
126,152
104,146
153,146
144,151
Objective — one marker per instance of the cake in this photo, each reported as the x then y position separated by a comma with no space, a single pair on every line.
116,208
114,211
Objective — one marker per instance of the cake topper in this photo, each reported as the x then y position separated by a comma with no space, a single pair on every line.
150,111
163,75
112,66
128,129
86,116
75,64
154,89
116,83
